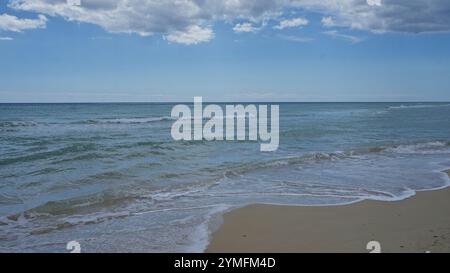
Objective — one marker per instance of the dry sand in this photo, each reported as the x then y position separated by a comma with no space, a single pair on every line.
417,224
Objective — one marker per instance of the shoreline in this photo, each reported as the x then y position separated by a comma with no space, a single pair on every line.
416,224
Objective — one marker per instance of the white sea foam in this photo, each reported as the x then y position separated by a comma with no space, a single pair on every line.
435,147
403,106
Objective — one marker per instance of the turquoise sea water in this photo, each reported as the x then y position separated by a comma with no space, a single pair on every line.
110,176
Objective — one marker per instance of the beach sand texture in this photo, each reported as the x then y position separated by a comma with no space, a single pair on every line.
418,224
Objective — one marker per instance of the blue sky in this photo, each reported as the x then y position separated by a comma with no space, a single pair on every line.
246,51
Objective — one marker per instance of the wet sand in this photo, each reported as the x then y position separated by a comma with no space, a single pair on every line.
417,224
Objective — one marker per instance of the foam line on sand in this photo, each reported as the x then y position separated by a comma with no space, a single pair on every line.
417,224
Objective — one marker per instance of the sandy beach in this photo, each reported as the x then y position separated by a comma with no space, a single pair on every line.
417,224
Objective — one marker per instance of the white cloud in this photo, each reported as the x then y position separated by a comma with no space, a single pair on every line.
328,21
244,27
192,35
295,22
146,17
349,38
12,23
6,39
412,16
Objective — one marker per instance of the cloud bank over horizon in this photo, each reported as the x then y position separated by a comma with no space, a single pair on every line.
192,21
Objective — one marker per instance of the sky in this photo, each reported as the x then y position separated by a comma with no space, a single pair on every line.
224,50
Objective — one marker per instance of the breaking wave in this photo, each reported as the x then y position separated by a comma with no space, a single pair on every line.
126,120
407,106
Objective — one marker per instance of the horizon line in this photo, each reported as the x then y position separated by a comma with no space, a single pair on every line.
187,102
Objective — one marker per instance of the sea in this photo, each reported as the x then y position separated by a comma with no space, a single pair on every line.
110,177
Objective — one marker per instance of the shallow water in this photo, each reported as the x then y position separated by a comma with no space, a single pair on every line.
111,177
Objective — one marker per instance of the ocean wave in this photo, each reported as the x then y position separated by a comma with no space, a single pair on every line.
312,157
84,210
417,106
81,205
7,199
72,148
125,120
32,223
151,119
434,147
15,124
